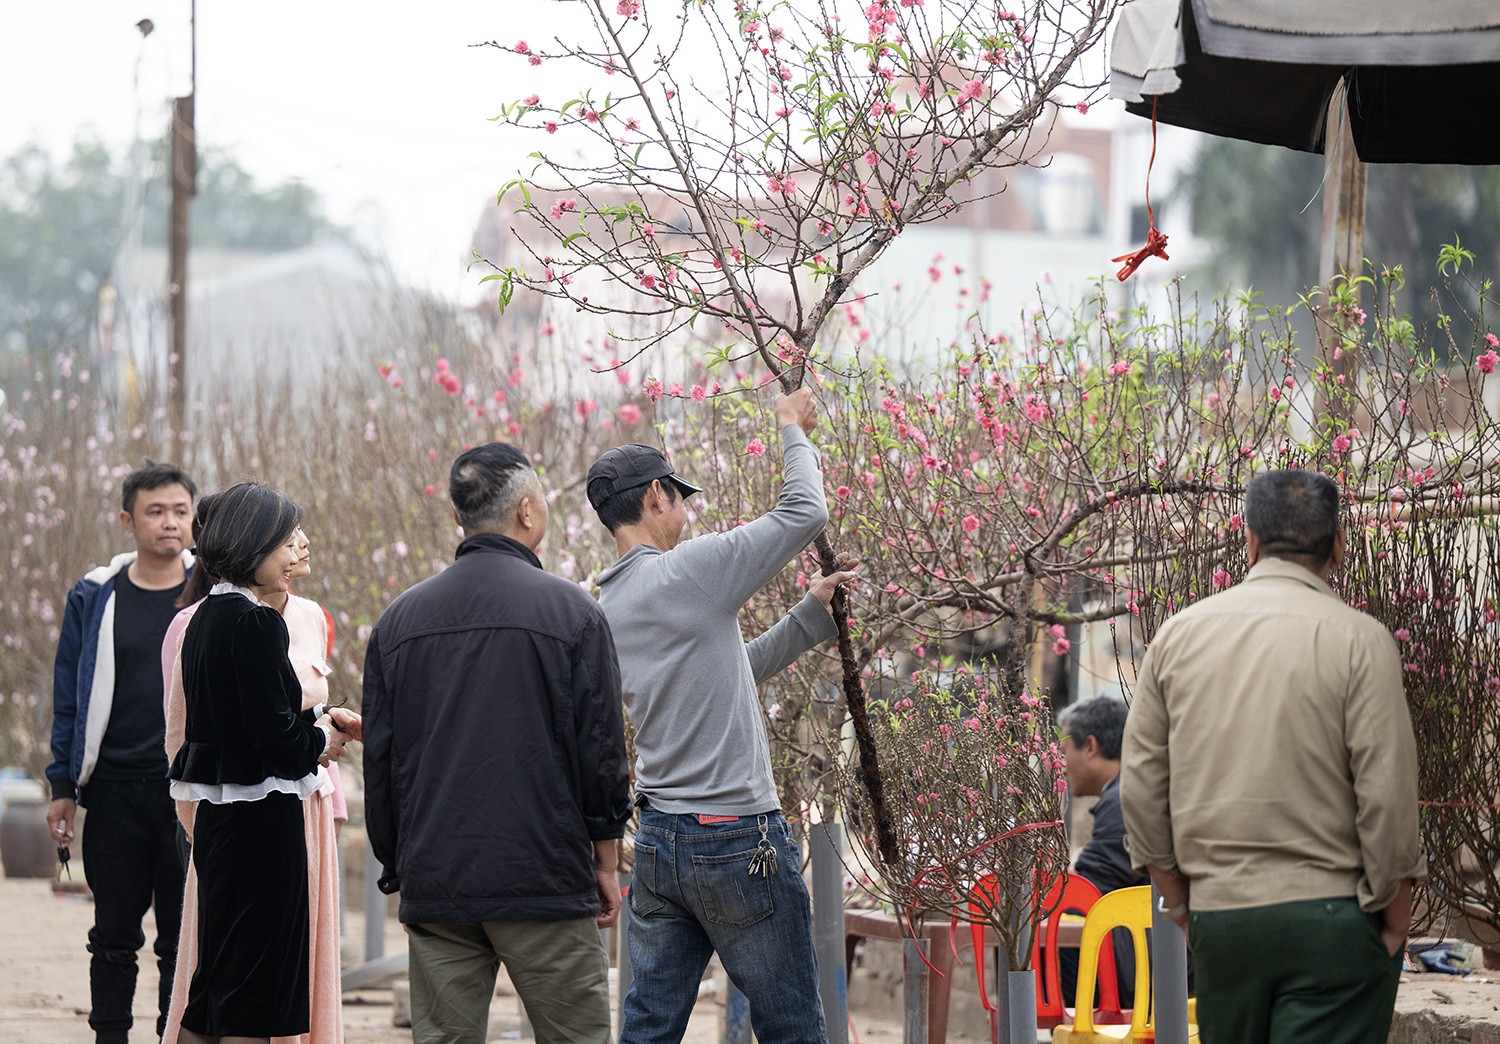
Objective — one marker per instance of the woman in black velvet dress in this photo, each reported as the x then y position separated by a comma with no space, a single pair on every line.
249,759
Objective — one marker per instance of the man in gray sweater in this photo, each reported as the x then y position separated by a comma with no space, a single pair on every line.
716,866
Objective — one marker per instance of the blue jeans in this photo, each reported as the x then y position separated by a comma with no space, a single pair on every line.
691,897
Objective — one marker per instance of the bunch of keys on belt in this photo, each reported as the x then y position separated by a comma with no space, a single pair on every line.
763,860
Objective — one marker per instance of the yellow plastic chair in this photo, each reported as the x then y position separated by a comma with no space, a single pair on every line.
1124,908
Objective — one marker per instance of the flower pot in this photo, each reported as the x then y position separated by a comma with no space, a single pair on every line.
26,850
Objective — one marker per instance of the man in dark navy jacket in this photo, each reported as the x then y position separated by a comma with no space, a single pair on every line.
1092,731
496,786
108,743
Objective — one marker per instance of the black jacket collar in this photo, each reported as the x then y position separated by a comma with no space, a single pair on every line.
496,542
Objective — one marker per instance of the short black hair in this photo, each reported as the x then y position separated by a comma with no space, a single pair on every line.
487,482
152,475
626,507
1294,514
1102,717
200,579
247,523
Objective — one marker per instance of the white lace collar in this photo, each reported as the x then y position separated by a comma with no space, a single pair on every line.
224,588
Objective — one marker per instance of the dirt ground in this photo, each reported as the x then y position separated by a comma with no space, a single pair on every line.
44,993
44,986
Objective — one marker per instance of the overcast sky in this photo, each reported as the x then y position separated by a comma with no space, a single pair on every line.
378,102
381,106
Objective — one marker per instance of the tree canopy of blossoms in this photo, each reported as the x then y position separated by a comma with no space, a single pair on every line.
743,163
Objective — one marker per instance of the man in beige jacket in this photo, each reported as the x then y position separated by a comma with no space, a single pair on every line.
1269,786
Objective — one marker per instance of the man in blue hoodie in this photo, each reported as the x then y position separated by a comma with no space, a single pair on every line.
108,731
716,866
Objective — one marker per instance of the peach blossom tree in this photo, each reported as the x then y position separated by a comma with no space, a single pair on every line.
741,164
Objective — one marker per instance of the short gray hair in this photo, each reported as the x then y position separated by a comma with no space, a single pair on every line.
487,484
1102,717
1294,514
507,498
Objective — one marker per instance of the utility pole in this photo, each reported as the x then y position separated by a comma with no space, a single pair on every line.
184,187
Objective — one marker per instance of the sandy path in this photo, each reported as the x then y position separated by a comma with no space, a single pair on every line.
44,990
44,986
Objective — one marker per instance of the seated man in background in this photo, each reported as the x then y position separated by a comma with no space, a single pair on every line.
1092,731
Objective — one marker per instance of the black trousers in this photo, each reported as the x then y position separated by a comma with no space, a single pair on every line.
131,863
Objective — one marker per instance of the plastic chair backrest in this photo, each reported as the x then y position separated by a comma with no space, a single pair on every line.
1069,894
1122,908
985,894
1066,893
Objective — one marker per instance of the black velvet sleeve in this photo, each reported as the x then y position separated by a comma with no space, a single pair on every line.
270,697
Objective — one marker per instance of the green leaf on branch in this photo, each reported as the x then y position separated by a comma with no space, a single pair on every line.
507,280
514,183
1453,257
830,101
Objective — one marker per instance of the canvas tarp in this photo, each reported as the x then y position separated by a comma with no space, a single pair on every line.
1423,76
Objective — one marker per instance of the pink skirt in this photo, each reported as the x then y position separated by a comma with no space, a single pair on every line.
325,990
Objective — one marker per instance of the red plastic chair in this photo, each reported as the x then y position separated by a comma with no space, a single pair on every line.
1069,893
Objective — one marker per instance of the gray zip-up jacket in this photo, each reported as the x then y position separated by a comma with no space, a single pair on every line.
689,677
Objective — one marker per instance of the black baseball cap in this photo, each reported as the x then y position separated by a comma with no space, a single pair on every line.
626,467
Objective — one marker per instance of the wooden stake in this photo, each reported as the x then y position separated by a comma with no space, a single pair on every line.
1343,248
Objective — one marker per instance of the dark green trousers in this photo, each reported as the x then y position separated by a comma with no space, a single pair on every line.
558,968
1313,972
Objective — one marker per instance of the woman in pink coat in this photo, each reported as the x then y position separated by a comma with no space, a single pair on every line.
311,634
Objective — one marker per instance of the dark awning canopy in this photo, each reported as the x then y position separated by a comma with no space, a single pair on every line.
1423,76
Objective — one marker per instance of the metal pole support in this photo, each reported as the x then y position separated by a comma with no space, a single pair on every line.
624,976
1020,995
826,842
914,974
1168,976
1000,1026
736,1014
374,907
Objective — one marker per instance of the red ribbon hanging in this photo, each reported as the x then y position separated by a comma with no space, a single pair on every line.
909,912
1156,242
